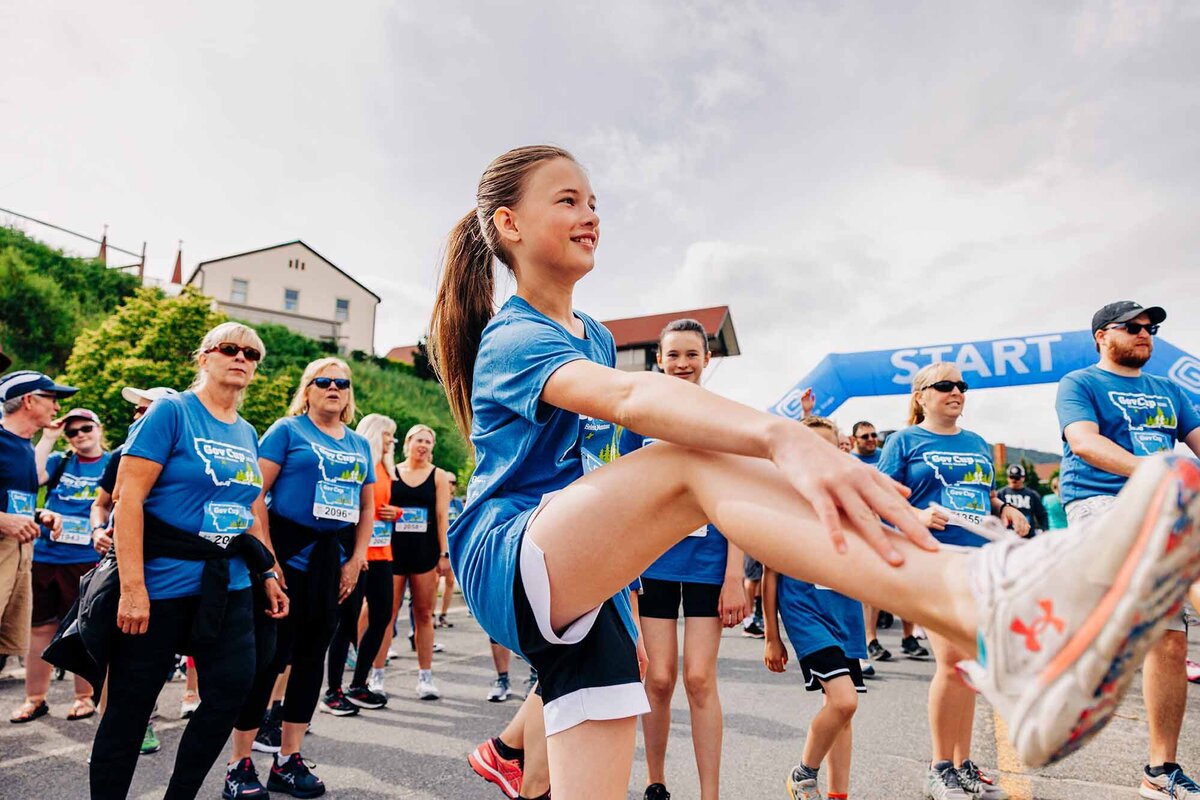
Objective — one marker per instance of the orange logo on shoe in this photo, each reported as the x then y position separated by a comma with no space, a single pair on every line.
1032,631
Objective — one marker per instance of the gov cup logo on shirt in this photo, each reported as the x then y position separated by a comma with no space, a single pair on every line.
1143,413
599,442
966,479
337,493
228,464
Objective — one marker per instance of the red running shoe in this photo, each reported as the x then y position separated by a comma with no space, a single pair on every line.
491,766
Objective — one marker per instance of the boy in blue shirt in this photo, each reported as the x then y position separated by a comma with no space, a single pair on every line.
1112,417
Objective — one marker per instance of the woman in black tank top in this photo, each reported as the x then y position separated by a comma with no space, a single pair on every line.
421,492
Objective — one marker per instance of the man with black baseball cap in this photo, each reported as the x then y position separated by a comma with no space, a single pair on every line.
29,402
1112,416
1024,499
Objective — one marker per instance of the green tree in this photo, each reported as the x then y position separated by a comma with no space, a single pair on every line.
1032,481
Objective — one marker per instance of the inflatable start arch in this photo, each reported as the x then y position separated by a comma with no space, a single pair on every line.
985,365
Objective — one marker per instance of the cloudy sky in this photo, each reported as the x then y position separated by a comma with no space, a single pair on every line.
844,176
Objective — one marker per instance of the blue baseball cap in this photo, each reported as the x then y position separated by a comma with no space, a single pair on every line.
22,382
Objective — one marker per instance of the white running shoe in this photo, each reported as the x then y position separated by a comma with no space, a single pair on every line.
1065,619
375,680
426,690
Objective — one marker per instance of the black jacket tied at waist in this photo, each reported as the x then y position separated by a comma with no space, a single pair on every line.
324,562
84,638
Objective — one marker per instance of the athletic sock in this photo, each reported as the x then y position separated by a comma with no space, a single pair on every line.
837,796
506,752
424,674
807,772
1163,769
502,675
757,607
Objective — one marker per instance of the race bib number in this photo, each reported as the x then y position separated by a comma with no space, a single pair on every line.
22,503
223,522
75,530
970,502
381,534
412,520
700,532
337,501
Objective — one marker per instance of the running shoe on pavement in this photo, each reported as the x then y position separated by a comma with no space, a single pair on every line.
801,788
270,735
912,648
868,669
1065,619
1193,671
294,776
656,791
531,682
188,705
335,703
363,697
977,785
241,781
375,680
500,690
751,631
877,652
150,743
1173,785
494,768
426,690
942,783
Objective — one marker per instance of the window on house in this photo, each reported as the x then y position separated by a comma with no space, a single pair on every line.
342,311
241,287
291,299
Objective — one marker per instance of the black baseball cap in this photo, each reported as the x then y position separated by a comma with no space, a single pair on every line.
1016,471
1123,311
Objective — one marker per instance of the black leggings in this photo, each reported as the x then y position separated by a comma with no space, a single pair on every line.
136,673
302,639
376,586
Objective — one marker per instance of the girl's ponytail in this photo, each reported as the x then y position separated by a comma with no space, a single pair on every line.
466,295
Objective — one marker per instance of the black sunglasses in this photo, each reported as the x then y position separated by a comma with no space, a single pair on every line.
868,436
230,349
325,383
946,386
73,432
1136,327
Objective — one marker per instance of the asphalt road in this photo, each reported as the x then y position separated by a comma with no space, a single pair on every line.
415,749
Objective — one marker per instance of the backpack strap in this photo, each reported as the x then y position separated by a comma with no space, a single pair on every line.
59,471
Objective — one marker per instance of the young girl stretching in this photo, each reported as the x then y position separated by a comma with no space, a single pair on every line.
544,554
826,630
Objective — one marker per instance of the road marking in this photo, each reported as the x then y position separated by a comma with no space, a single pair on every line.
1014,781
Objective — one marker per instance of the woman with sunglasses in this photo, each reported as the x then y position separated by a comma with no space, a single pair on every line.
185,488
317,509
951,476
421,492
59,562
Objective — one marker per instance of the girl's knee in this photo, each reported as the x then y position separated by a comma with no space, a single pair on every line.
700,685
660,684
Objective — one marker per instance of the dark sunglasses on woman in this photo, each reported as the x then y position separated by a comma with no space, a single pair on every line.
324,383
1135,328
231,350
947,386
73,432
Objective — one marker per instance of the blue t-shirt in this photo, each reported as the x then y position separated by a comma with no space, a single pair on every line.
817,617
455,510
952,470
1145,415
18,474
524,449
321,478
872,459
210,479
77,489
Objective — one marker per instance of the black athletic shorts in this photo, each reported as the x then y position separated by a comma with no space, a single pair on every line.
414,553
661,599
827,664
751,568
55,589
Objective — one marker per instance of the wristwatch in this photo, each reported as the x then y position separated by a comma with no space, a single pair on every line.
444,555
268,575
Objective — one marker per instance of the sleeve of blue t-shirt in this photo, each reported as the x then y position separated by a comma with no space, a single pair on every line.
518,357
1189,417
1074,403
275,442
155,437
891,460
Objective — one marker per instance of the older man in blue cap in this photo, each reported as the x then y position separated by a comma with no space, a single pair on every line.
29,401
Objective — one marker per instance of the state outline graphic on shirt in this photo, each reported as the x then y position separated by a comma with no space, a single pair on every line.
227,464
77,488
1150,405
329,461
229,517
979,476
